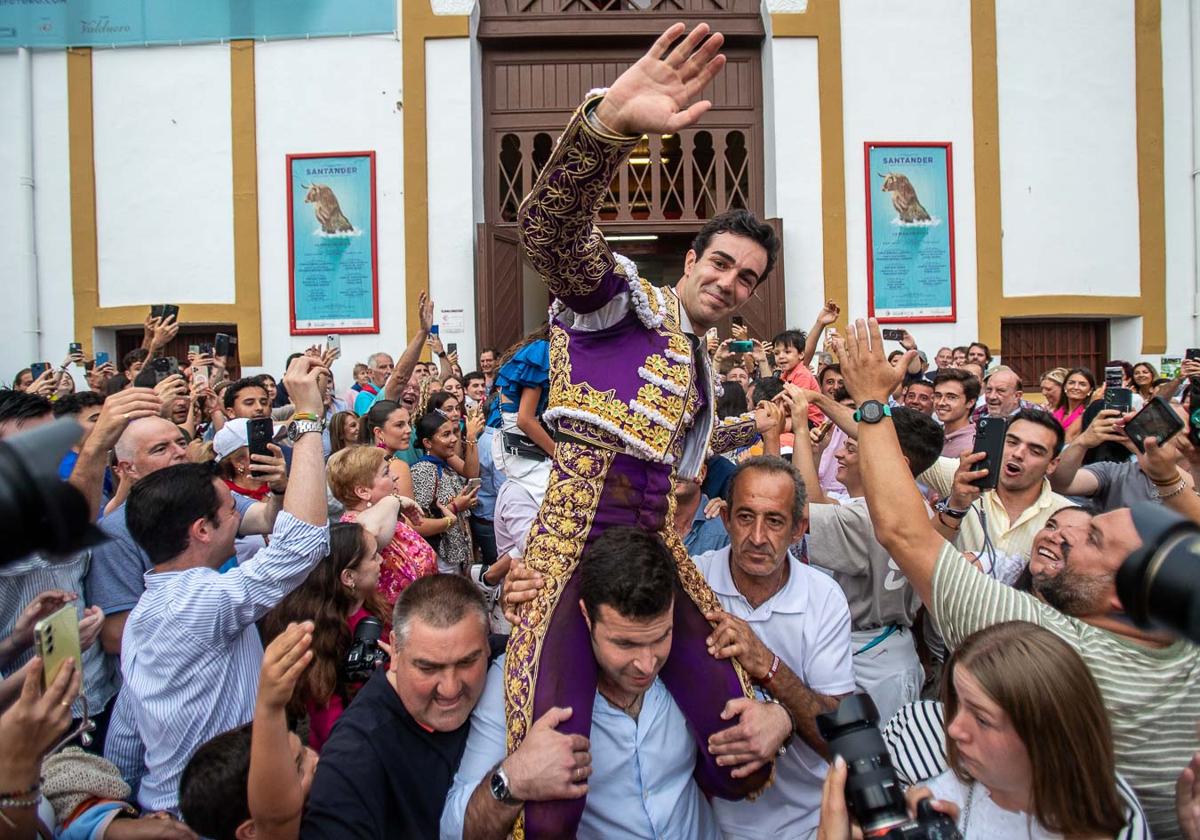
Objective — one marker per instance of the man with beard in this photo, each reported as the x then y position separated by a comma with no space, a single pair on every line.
1150,683
998,526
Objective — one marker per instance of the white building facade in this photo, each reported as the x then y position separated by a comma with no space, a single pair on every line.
142,175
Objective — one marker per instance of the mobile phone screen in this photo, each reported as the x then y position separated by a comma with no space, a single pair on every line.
221,344
1119,398
893,335
1157,420
738,321
451,347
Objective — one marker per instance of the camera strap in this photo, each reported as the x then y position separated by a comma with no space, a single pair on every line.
878,640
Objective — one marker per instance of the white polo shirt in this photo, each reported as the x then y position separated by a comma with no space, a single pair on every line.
807,625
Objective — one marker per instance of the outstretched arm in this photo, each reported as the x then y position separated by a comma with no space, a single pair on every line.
828,315
273,790
897,510
412,353
557,218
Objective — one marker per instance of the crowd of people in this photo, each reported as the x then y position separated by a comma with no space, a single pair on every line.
607,583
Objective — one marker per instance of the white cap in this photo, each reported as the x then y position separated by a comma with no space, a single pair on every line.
230,438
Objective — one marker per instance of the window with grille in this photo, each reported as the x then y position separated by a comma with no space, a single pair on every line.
692,175
1033,346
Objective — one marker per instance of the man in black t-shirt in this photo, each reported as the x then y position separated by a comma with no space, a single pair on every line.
386,769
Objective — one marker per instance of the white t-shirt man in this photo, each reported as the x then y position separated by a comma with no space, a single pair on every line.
807,625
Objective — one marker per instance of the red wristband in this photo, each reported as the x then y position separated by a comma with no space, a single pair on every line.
771,671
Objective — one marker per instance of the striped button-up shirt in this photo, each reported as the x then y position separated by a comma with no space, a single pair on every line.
24,580
190,656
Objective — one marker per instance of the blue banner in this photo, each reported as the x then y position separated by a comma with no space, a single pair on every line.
910,228
106,23
331,226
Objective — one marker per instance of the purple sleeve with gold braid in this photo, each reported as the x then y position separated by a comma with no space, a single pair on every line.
557,219
733,433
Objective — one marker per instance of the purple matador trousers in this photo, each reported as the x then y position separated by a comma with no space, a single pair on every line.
550,661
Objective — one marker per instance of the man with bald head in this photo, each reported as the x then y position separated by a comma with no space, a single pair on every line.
115,579
1002,395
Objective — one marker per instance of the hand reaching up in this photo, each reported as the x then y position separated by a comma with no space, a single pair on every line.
653,95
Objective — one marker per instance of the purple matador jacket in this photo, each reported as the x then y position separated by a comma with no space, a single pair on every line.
633,403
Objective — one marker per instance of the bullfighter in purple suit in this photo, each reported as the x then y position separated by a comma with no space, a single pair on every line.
632,398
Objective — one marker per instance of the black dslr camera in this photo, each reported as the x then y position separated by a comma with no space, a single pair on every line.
1157,583
365,653
872,789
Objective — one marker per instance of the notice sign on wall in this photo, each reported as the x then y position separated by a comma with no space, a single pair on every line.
331,236
910,232
113,23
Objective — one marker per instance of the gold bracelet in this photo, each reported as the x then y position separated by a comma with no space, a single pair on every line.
1168,482
1179,488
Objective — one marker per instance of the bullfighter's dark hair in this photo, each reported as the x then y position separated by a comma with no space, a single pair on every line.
741,223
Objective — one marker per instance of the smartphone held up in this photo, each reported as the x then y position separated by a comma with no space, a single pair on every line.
989,439
57,641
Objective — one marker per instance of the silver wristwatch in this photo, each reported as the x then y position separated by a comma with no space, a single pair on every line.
498,785
303,427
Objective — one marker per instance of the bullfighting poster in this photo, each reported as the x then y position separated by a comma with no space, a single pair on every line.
332,253
910,232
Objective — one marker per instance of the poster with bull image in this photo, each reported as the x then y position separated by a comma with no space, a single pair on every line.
333,256
910,232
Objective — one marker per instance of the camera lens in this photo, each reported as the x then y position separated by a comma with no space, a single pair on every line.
369,630
1157,582
872,789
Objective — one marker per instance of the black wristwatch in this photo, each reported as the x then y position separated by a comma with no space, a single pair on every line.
944,507
498,785
872,411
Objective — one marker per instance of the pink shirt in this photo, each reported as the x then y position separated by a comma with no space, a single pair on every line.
406,557
1060,414
802,377
960,442
322,718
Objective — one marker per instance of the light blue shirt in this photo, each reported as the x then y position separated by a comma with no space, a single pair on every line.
706,534
190,655
490,477
365,399
641,784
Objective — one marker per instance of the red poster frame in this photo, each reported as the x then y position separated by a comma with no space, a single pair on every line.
291,235
920,319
